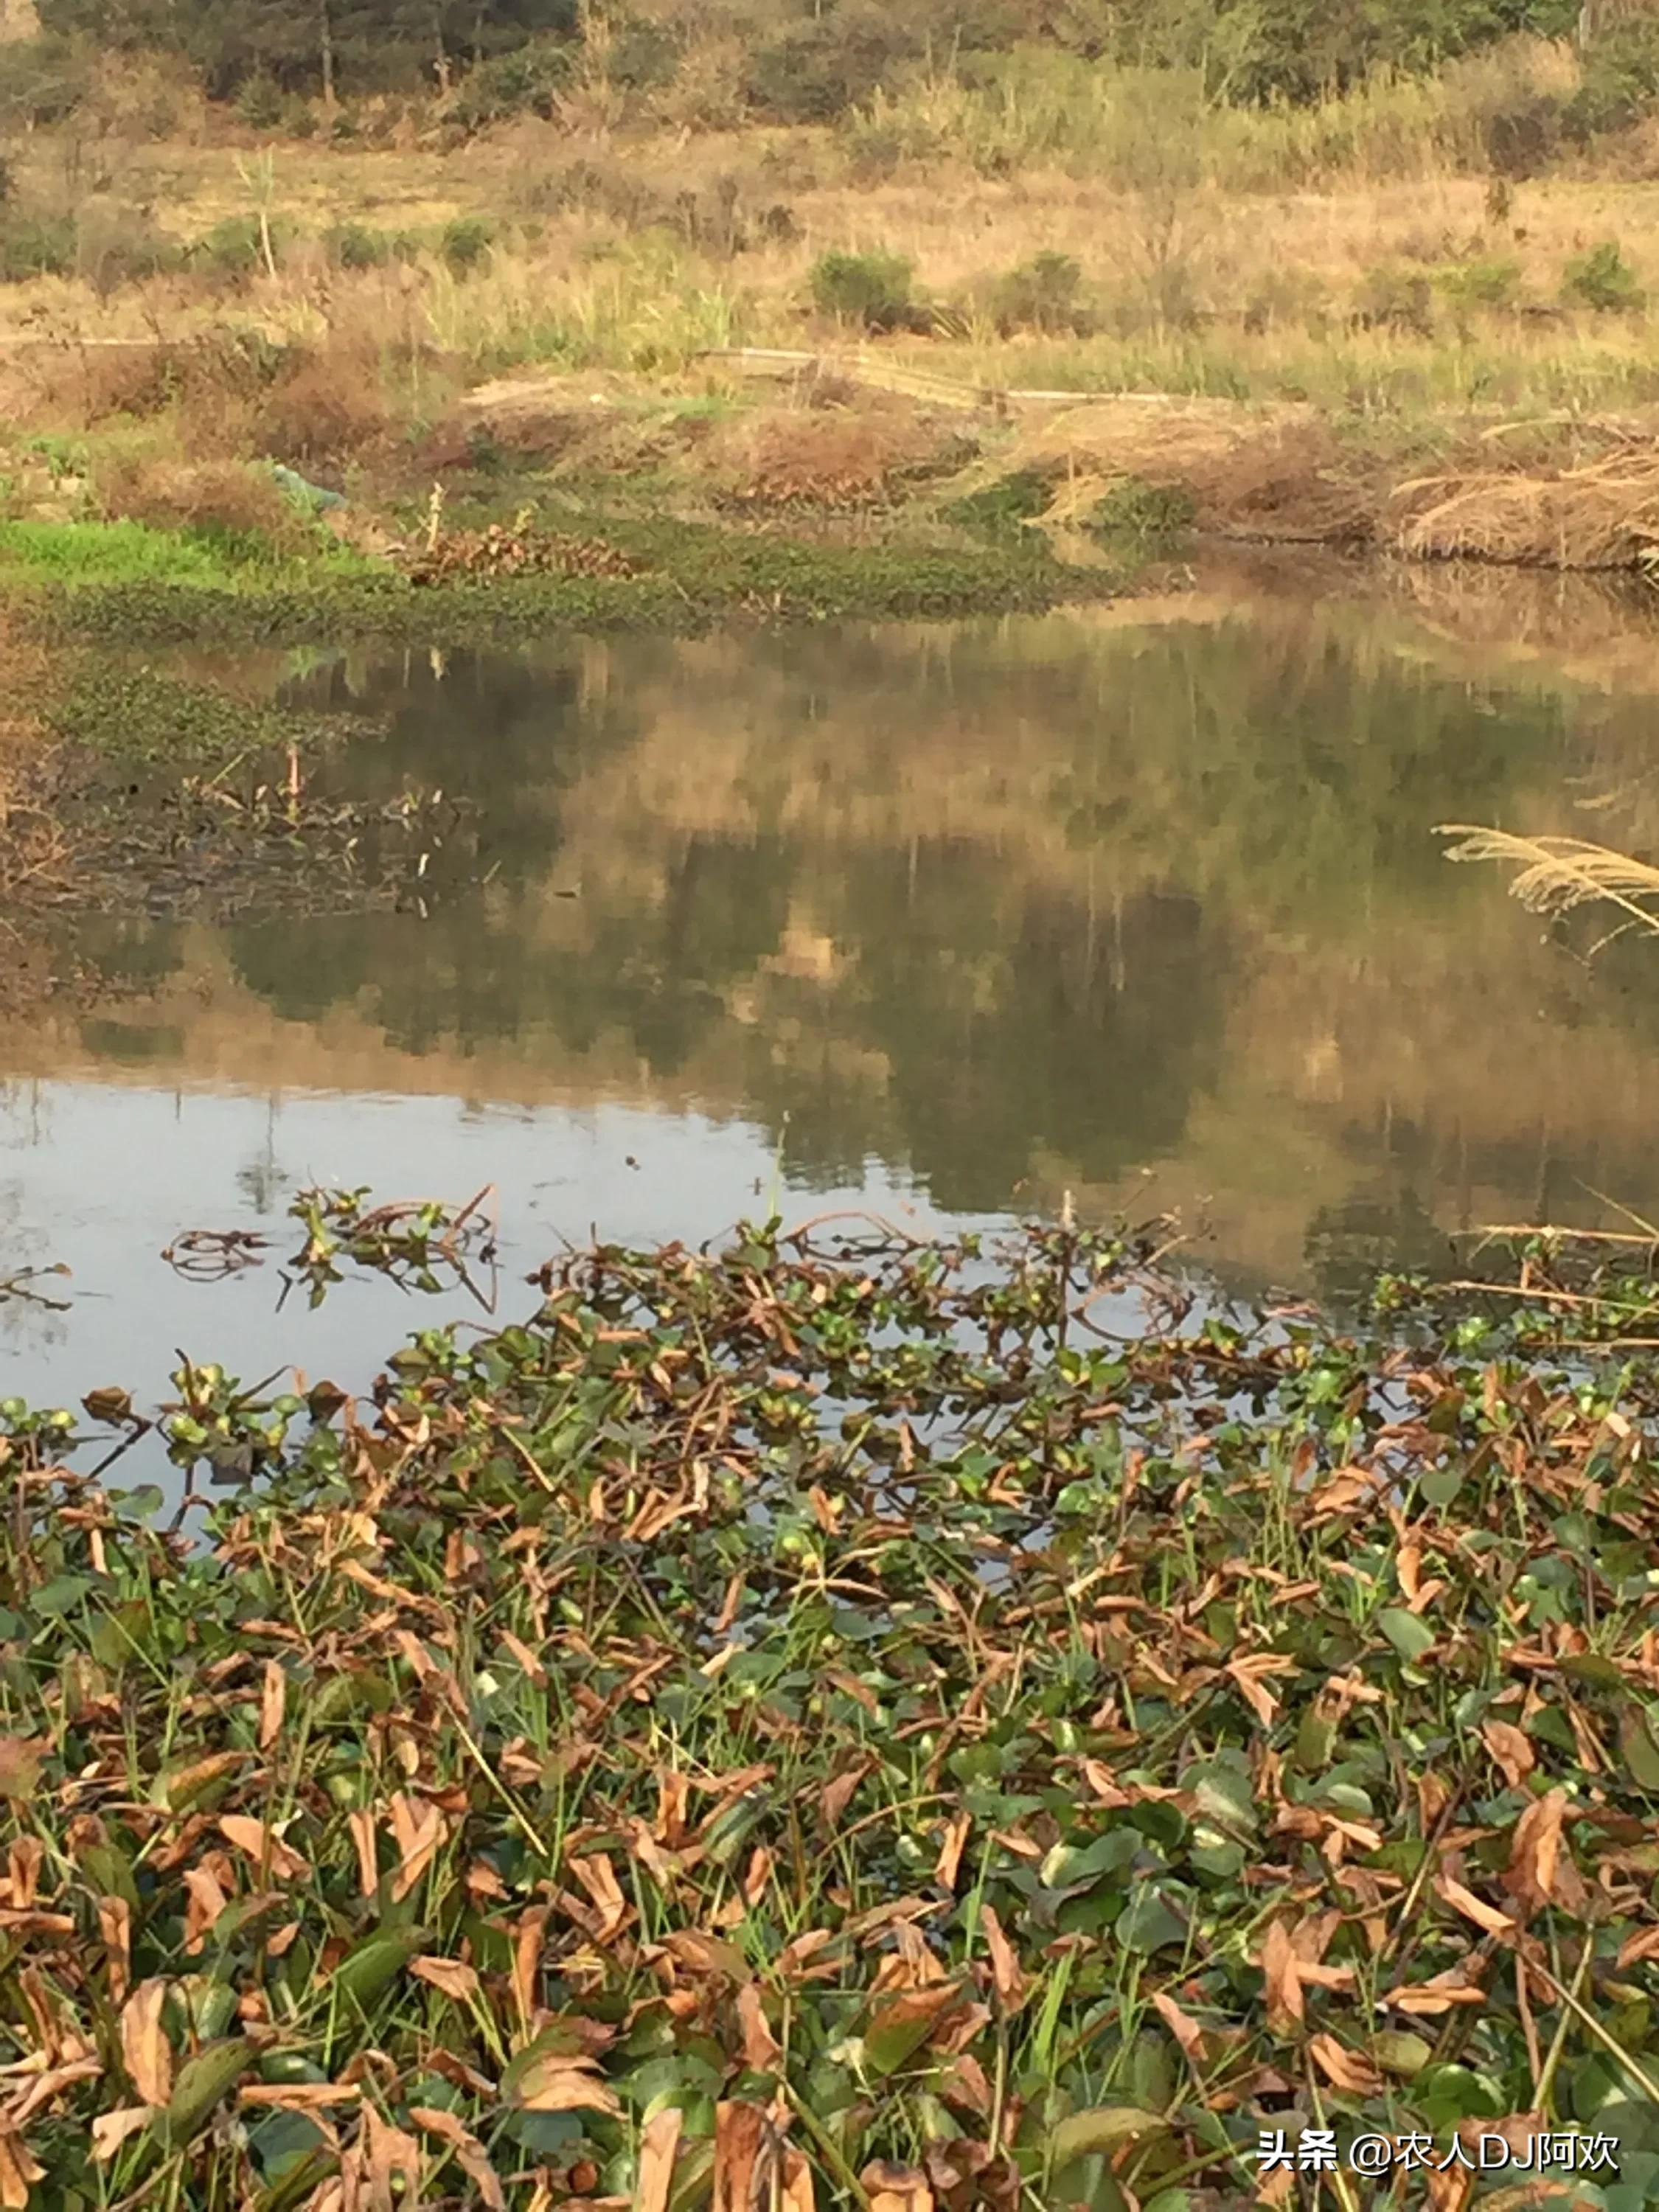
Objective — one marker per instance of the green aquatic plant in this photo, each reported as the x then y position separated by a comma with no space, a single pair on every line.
829,1704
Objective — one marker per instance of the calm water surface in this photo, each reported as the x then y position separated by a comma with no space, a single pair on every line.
1141,903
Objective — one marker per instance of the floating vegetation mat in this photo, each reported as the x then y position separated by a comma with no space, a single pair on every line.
834,1726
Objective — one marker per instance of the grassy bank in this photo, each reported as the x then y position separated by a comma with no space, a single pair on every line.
835,1716
1411,313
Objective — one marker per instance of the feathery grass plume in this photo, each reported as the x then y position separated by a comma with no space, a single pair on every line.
1557,875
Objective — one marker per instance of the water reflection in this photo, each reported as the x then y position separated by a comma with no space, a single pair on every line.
1140,902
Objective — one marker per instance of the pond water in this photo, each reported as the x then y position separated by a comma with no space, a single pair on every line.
1141,902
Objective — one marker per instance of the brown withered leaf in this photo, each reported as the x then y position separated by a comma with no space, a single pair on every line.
599,1878
897,2188
25,1855
1486,1916
452,1976
1535,1856
1512,1751
417,1827
757,1874
204,1900
761,2049
111,2130
560,2083
20,1766
301,2096
19,2171
264,1846
1432,1999
950,1856
835,1796
1252,1671
1182,2024
115,1927
1006,1973
360,1825
796,2179
660,2141
145,2052
273,1702
741,2134
384,2156
1344,2070
1278,1961
470,2153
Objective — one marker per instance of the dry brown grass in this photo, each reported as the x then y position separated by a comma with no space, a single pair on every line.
1602,515
1276,474
329,404
832,456
171,494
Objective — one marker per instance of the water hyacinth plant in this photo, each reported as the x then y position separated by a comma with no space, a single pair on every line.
838,1725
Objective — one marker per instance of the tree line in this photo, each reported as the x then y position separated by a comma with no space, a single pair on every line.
808,58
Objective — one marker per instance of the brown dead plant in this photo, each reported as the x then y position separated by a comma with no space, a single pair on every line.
1603,515
1556,876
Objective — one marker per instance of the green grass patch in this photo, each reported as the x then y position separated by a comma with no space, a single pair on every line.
689,575
200,557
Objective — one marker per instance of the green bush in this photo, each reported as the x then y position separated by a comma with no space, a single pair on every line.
821,69
260,104
1620,81
1000,509
354,246
1604,280
466,242
234,248
869,289
1135,508
35,245
525,82
1484,282
1396,299
1041,296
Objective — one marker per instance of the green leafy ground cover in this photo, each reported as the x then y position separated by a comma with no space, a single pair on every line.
838,1726
129,584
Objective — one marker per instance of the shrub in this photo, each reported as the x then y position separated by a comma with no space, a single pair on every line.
466,242
227,502
820,69
353,245
325,406
869,289
1603,279
35,245
234,248
1620,80
527,81
1483,283
1396,299
1002,508
1134,508
115,246
260,104
1041,296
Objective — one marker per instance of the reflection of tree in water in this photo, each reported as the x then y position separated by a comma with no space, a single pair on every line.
955,898
28,1324
1229,766
261,1179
